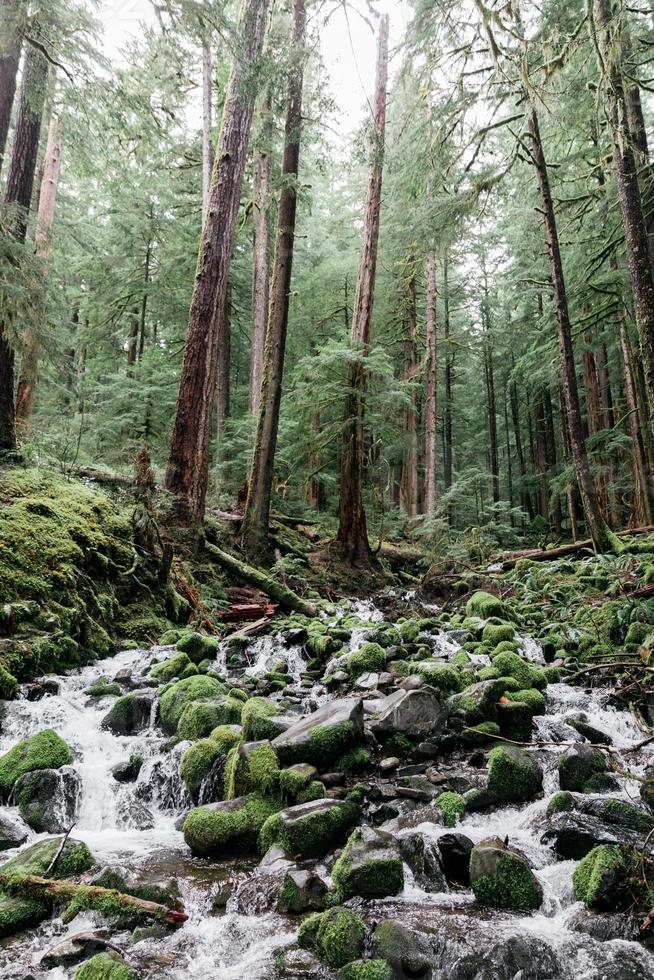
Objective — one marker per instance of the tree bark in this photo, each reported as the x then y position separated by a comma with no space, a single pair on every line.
447,404
597,527
187,472
207,145
409,475
18,192
352,527
644,483
490,396
431,401
257,507
42,242
260,258
626,173
12,24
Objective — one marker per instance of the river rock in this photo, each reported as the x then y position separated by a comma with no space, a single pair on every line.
455,850
502,878
128,770
478,702
409,952
13,832
513,775
581,724
130,714
416,713
309,829
303,890
577,823
324,735
422,854
519,957
73,949
582,769
48,799
370,865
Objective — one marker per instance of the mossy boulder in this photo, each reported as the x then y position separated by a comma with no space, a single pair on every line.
370,866
295,781
367,970
200,718
452,806
515,720
198,647
484,606
337,936
513,775
130,714
582,769
321,737
251,767
171,669
369,658
75,859
43,750
18,913
176,698
511,665
227,827
444,678
103,688
503,879
600,879
478,703
197,761
310,829
258,720
48,799
9,686
105,966
495,634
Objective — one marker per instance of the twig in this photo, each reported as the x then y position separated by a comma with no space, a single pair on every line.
53,863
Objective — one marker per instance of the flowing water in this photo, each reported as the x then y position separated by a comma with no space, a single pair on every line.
134,826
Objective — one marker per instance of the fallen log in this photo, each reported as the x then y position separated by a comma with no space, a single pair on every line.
261,580
252,610
87,897
509,558
252,629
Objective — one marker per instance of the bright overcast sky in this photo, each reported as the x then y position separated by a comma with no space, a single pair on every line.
349,54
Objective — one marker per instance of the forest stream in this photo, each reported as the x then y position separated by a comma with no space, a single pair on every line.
233,930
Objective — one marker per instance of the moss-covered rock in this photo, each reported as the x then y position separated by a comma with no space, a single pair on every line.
600,879
258,720
495,634
503,879
251,767
102,688
444,678
452,806
176,698
197,761
200,718
171,669
44,750
354,761
198,647
513,775
481,734
511,665
320,738
105,966
8,685
37,859
531,697
370,657
130,714
337,936
484,606
370,866
366,970
582,769
231,826
18,913
310,829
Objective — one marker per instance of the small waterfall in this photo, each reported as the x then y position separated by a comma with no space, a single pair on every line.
266,651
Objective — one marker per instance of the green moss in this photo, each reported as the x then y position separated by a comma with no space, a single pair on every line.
223,831
483,605
488,674
512,887
375,877
251,767
513,775
295,780
480,734
355,760
200,718
560,801
452,806
37,859
329,742
627,815
103,688
511,665
493,635
171,636
239,695
552,674
409,631
44,750
141,627
175,699
531,697
337,936
599,877
103,966
369,658
367,970
8,685
198,647
170,669
226,737
255,719
443,677
197,761
314,834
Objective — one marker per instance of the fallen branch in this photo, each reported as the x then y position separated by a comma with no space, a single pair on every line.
53,863
615,663
106,900
261,580
549,745
245,611
251,629
509,558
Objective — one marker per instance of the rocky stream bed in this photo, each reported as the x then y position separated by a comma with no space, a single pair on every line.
402,762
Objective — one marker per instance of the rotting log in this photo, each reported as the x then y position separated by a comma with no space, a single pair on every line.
245,612
509,558
93,897
261,580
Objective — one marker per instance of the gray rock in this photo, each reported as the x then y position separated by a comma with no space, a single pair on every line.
455,850
583,769
417,713
303,890
48,799
502,878
368,682
130,714
13,832
80,946
478,702
422,854
324,735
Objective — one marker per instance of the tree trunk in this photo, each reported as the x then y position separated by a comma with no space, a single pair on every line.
597,528
490,396
18,192
525,497
641,464
352,527
223,387
431,401
257,507
42,241
187,472
626,172
132,343
447,404
12,24
207,145
540,457
260,262
409,476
